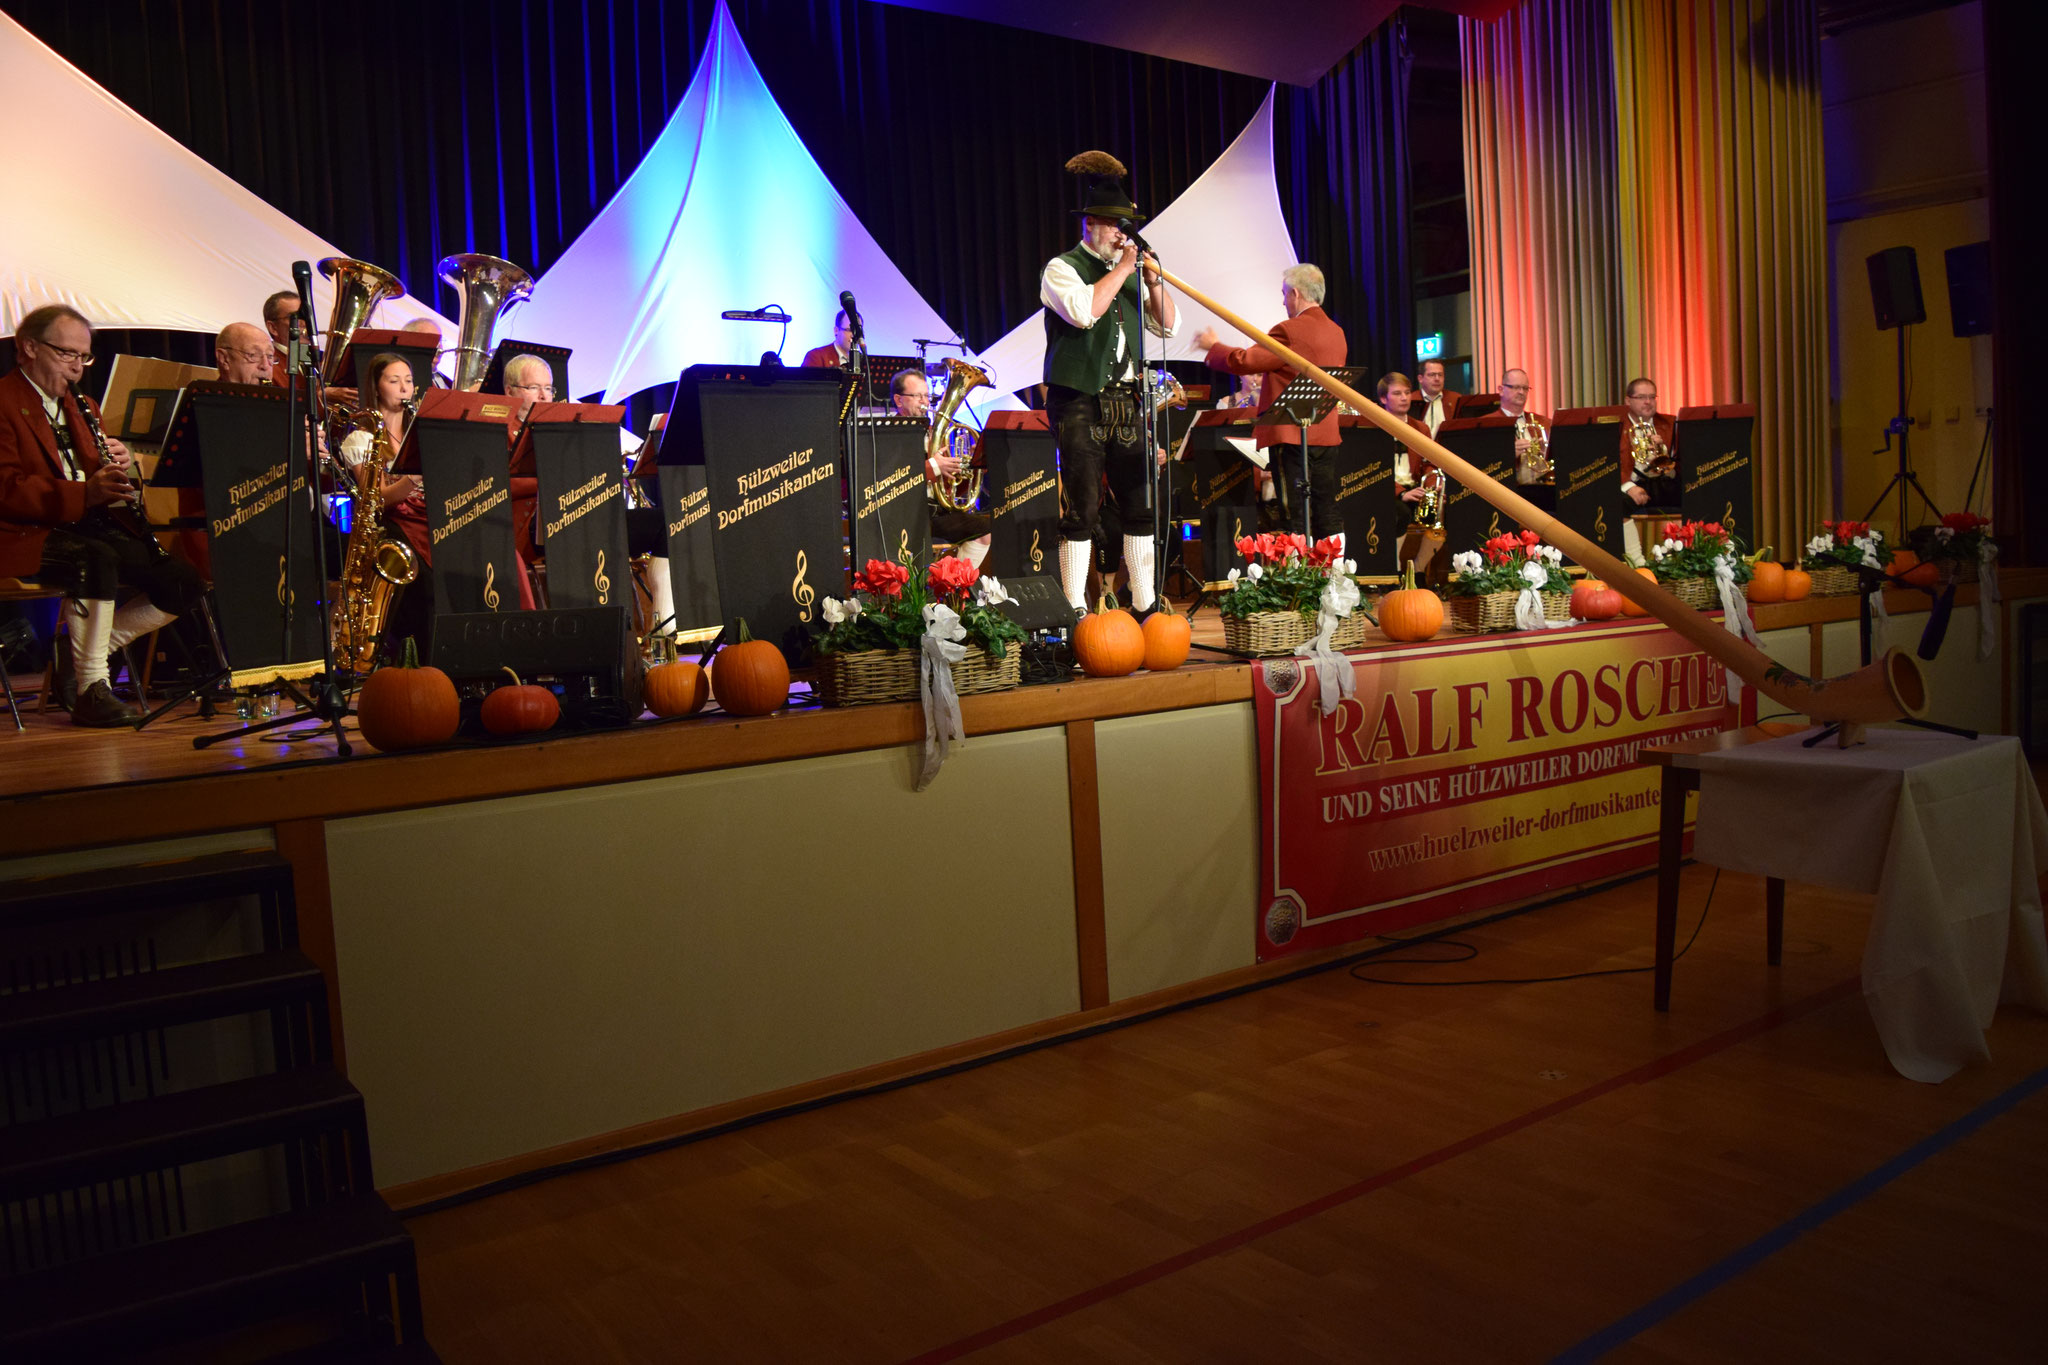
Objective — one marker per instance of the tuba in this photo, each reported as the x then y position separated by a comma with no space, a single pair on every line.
950,436
373,570
489,286
358,288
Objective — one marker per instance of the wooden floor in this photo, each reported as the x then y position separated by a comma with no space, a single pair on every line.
1332,1170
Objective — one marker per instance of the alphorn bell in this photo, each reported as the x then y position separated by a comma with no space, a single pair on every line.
1890,689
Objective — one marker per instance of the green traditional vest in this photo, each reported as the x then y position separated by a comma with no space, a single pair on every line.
1079,357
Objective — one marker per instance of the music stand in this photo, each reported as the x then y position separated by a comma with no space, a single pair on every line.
365,344
1305,402
557,358
567,447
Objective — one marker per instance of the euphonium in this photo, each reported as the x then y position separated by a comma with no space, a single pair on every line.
1653,459
489,286
950,436
1537,461
358,287
374,570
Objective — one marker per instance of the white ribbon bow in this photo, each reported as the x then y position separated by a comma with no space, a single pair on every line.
1335,679
1734,614
1529,601
939,653
1987,599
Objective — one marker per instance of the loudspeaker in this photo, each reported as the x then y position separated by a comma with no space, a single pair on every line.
1895,287
1970,307
1039,604
588,648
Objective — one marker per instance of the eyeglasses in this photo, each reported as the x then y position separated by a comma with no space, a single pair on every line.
548,389
67,356
261,356
1516,388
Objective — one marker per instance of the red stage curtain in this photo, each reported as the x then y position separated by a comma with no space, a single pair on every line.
1540,195
1723,217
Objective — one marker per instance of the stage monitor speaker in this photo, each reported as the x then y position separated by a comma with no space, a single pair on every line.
1970,307
1895,287
588,648
1039,604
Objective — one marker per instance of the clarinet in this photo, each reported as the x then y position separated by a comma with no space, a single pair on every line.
133,507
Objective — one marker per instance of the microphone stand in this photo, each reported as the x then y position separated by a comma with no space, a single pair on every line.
1153,502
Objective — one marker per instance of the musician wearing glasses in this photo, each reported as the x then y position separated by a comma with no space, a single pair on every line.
1649,456
529,379
1094,308
243,354
60,483
1534,477
836,354
966,531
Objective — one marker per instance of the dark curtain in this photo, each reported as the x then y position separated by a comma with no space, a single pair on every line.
403,133
1342,162
2019,351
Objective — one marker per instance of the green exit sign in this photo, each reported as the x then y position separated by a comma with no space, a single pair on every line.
1430,347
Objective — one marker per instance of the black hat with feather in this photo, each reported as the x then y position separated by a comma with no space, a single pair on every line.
1102,187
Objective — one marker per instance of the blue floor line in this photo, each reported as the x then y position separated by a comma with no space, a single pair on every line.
1795,1227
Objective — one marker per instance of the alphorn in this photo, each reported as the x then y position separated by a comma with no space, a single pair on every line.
1890,689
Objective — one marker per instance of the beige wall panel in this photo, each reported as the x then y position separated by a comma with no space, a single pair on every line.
519,973
1180,844
1792,647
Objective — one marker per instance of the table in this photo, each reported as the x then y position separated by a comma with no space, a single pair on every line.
1949,834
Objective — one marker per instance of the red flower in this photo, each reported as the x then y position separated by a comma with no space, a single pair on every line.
1325,551
882,578
1531,538
951,575
1247,547
1292,545
1965,521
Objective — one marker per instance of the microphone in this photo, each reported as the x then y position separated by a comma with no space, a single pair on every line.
1937,623
303,355
1130,230
852,315
302,276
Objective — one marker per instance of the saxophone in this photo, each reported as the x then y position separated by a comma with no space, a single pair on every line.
1535,464
374,570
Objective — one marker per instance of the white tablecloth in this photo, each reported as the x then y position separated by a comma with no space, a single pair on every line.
1949,833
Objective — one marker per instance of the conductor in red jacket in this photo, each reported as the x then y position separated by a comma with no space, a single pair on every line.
1311,334
56,525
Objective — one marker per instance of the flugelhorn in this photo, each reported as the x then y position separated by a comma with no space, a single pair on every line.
489,286
1889,689
358,288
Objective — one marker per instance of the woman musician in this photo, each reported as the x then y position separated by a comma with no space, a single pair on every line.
401,496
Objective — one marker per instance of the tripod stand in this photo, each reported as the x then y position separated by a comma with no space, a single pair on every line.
1904,477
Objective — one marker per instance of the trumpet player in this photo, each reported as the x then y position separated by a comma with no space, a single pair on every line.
1533,475
1422,489
966,531
1649,456
1397,395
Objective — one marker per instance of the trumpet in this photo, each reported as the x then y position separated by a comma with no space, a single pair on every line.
1535,463
1429,513
1653,459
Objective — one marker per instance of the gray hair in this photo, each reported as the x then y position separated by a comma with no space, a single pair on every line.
520,364
1306,280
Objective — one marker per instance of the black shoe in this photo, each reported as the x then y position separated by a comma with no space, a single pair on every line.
100,709
1141,615
67,678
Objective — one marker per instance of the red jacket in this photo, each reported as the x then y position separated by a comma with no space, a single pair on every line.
1418,463
1420,405
34,494
1312,335
819,357
1665,433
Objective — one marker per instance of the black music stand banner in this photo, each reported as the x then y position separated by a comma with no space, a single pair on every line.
1020,489
1488,443
1585,452
557,358
229,441
692,568
889,503
575,454
1714,448
457,447
1217,486
1369,505
365,345
767,439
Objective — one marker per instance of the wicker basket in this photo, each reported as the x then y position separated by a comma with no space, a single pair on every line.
1834,580
1959,570
1278,632
1491,611
870,675
1697,593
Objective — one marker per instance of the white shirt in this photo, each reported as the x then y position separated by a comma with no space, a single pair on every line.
1062,289
54,410
1432,414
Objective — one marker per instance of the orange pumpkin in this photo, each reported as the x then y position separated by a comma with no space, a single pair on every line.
1109,643
679,688
1769,583
1908,567
406,706
520,709
1628,604
1167,638
1593,600
1798,585
1411,613
750,677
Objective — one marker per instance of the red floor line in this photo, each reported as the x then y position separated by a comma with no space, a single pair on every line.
1652,1070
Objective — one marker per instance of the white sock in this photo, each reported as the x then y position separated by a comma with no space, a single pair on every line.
974,551
137,617
1074,557
661,596
91,624
1138,559
1268,490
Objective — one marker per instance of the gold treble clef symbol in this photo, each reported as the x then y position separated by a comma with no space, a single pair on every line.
1037,552
1728,517
802,593
1600,525
1372,536
601,583
904,554
285,596
491,586
1493,527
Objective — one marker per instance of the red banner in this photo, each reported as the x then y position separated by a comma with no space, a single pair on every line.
1463,775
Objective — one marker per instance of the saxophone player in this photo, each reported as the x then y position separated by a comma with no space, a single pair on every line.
400,496
1533,474
966,531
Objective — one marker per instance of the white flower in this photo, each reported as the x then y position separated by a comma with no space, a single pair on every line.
1657,551
1876,534
1819,545
1672,547
943,623
1254,573
1467,561
1340,595
1553,555
1944,533
1866,546
1233,576
834,610
1350,566
990,591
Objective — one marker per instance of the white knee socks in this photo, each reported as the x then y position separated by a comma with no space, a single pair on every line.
661,596
91,624
1138,559
974,551
138,616
1074,556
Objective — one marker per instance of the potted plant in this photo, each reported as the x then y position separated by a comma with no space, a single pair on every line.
1488,583
1962,547
1690,558
1841,548
869,644
1272,604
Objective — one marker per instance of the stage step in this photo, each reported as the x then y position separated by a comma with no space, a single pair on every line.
145,886
175,995
188,1125
210,1281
